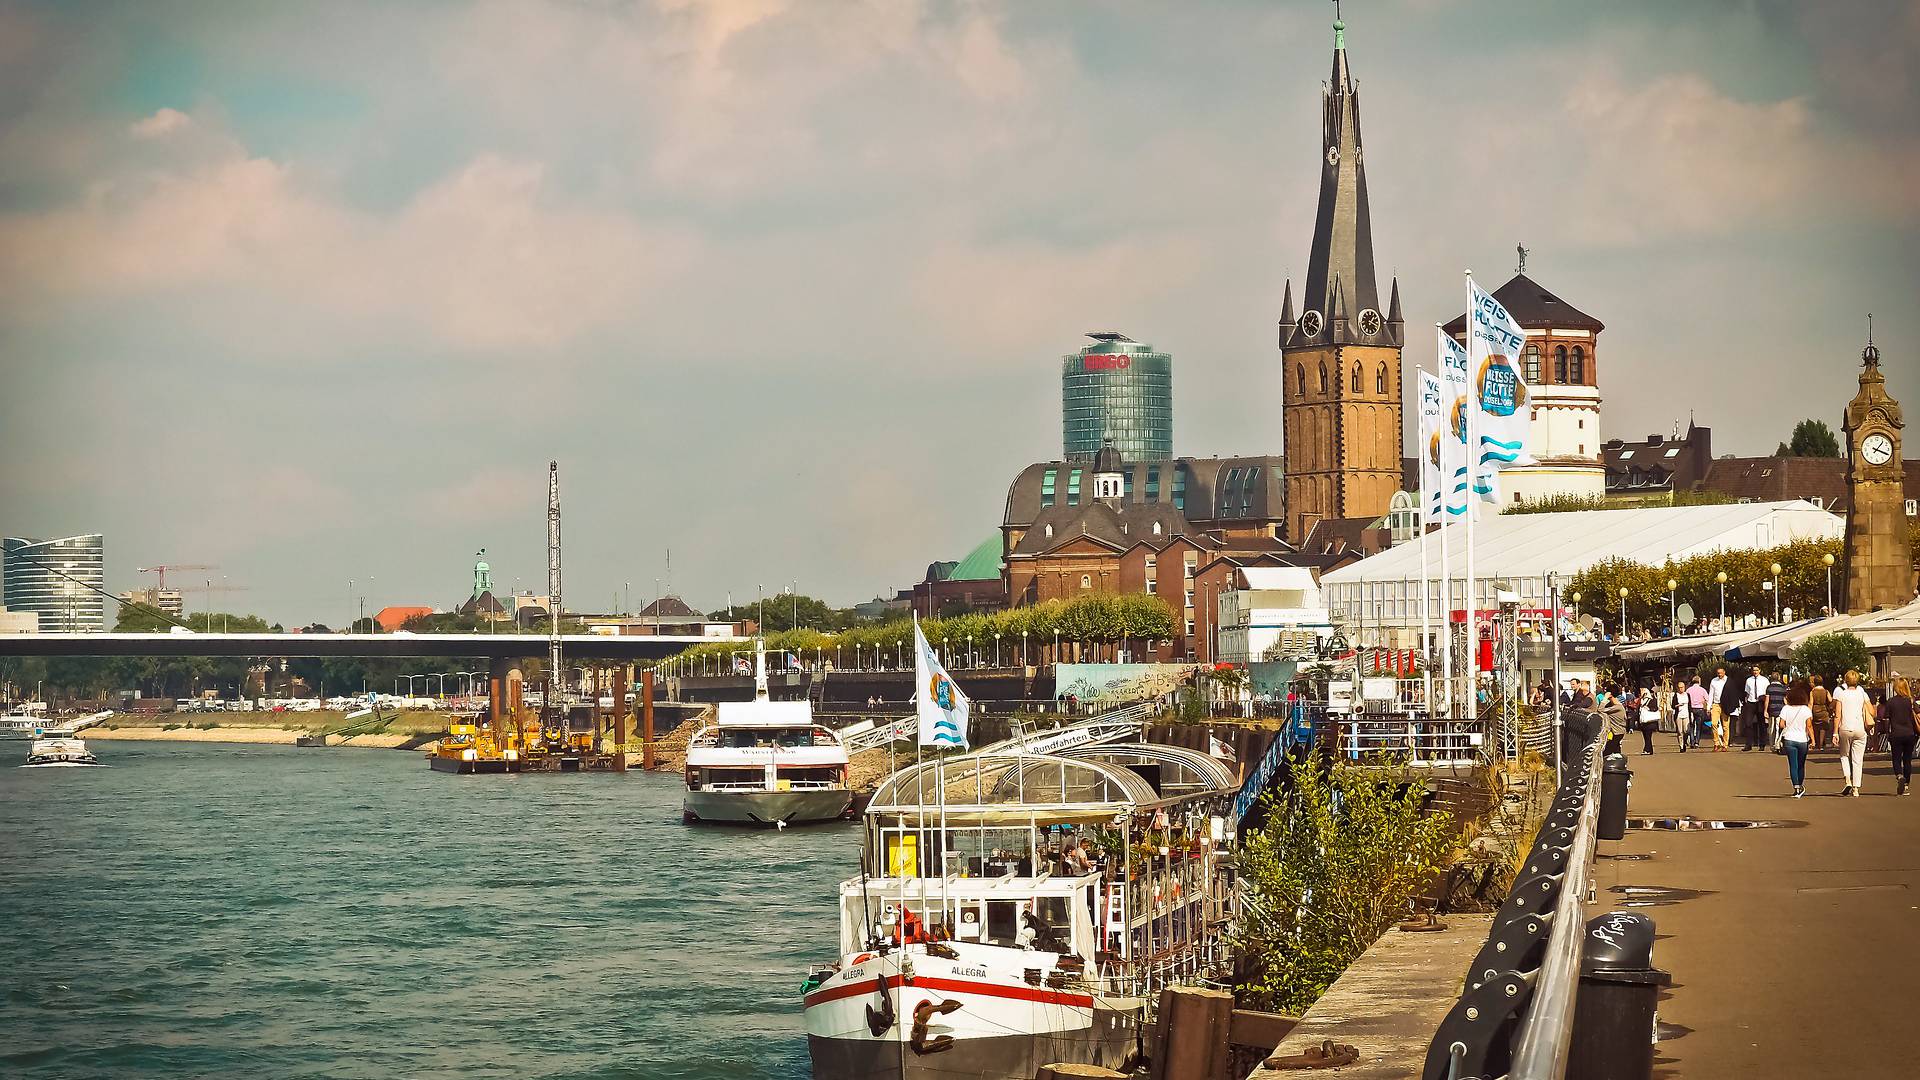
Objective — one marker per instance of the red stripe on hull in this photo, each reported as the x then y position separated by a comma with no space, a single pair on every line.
952,986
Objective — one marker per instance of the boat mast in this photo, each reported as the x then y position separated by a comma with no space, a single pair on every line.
554,607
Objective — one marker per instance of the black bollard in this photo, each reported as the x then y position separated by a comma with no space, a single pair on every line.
1613,1015
1615,779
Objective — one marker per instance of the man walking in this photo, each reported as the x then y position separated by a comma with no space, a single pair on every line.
1696,711
1776,701
1853,717
1753,711
1727,698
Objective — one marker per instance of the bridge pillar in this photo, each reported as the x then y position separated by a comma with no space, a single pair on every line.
620,714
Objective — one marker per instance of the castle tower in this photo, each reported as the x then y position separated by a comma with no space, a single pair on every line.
1879,564
1341,356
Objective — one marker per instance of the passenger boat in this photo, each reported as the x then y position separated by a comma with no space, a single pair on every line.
60,753
1016,910
765,762
24,721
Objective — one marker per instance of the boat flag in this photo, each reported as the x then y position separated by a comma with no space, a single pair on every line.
1500,392
942,708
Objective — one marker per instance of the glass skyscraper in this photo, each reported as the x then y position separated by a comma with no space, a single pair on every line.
1120,389
50,578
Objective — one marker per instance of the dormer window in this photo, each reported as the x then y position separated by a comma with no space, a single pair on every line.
1048,532
1157,529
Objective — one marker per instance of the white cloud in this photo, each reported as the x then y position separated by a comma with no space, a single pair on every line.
164,122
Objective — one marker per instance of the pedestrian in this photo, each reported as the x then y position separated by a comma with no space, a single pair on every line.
1853,718
1682,707
1821,703
1614,715
1753,711
1727,698
1896,719
1776,700
1649,718
1877,739
1697,702
1796,733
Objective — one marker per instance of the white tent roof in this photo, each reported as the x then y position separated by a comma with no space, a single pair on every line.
1531,545
1277,577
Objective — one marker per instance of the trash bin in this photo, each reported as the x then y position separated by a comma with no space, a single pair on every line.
1615,779
1614,1015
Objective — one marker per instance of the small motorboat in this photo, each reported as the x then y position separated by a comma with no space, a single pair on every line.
60,753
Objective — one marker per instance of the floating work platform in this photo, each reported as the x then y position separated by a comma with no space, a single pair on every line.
462,766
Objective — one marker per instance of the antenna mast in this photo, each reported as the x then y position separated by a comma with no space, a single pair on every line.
554,676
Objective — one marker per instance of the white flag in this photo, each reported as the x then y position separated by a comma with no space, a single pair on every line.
1453,438
942,708
1500,390
1432,432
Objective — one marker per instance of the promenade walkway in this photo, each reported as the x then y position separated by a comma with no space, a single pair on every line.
1800,954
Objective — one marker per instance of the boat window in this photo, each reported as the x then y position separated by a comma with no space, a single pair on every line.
1056,916
1003,921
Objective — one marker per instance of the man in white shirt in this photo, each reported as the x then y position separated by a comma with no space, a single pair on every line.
1853,719
1753,713
1716,715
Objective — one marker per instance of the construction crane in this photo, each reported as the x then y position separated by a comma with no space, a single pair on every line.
162,568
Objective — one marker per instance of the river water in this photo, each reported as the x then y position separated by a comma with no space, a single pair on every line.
241,911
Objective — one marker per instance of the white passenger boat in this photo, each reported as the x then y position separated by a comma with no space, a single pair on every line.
24,720
60,753
765,762
1029,917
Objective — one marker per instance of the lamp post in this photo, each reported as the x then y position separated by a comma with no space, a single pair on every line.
900,653
1776,593
1721,577
1575,597
1673,608
1622,635
996,648
1023,648
973,658
1828,559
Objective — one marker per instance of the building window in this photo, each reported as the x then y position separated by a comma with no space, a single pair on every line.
1560,363
1300,373
1913,507
1179,488
1380,380
1153,483
1086,581
1323,376
1153,587
1356,378
1579,365
1583,423
1189,598
1533,364
1046,488
1247,484
1073,487
1047,532
1817,501
1126,485
1189,634
1157,529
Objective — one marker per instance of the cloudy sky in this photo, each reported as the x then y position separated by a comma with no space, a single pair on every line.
314,292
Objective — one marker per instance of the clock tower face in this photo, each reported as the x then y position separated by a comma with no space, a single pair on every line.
1877,449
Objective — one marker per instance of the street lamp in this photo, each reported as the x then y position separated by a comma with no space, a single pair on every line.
1623,613
900,653
996,648
973,658
1673,608
1776,592
1828,559
1023,648
1576,604
1721,577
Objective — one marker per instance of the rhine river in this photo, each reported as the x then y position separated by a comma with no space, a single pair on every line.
241,911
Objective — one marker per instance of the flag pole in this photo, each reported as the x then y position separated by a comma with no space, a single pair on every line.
1426,639
1472,658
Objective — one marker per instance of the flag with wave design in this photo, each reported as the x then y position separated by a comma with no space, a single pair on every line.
1498,388
941,707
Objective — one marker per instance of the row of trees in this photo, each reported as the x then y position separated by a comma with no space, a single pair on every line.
1100,618
1803,583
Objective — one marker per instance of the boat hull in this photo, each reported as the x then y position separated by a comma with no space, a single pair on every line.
464,768
997,1025
64,765
766,808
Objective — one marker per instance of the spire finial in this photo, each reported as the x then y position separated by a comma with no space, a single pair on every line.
1870,356
1339,27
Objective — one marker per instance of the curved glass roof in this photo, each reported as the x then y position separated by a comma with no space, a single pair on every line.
1005,780
1182,771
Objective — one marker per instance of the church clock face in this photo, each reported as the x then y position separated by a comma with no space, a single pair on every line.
1877,449
1310,324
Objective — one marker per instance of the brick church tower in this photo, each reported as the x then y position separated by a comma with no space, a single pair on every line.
1341,356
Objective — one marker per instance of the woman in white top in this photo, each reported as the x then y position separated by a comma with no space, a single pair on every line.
1649,717
1853,719
1796,734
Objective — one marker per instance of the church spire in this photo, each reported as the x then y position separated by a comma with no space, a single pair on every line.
1342,230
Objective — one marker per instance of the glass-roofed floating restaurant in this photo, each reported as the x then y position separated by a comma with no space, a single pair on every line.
1112,853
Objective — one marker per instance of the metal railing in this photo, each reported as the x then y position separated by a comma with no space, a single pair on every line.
1515,1019
1432,741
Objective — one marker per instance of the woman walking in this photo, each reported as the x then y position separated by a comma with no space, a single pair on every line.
1853,717
1796,734
1896,717
1822,704
1649,717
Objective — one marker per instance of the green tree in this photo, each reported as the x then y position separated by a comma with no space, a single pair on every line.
1811,438
1343,853
1832,655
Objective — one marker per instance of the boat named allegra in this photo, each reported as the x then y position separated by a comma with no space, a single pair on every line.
766,762
1017,909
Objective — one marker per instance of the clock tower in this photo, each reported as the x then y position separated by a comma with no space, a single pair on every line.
1879,566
